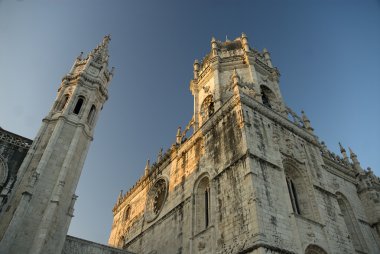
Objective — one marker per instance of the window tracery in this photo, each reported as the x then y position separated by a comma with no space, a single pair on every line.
207,107
156,199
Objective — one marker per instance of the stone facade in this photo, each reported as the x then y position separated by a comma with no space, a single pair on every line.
38,213
74,245
13,149
252,178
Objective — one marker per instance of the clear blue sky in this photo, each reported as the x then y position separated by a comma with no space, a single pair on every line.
328,53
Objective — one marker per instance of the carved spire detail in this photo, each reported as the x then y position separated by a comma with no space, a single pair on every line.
120,198
179,136
147,167
344,154
306,122
244,42
355,161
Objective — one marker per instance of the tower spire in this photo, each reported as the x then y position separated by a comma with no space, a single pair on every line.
39,210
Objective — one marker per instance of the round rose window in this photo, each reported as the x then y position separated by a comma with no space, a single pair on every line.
156,199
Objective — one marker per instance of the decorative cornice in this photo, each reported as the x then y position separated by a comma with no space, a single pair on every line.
69,121
15,139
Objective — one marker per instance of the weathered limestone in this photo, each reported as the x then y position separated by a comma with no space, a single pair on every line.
252,178
37,216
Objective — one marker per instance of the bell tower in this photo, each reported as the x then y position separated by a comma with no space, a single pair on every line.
38,214
213,82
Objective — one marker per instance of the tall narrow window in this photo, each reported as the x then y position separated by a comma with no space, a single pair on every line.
91,115
206,207
293,196
300,192
202,204
78,106
63,102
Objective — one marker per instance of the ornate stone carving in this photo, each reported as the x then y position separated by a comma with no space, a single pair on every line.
156,199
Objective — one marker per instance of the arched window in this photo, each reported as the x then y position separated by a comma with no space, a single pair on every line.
267,96
63,102
207,107
314,249
78,106
91,115
298,187
351,223
202,204
127,213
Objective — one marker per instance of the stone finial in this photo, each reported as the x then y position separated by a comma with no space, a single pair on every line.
344,154
159,156
214,46
324,147
80,56
267,58
306,122
355,160
244,42
179,136
342,150
120,198
106,39
196,69
147,167
100,53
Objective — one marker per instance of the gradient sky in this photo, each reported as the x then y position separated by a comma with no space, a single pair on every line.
328,53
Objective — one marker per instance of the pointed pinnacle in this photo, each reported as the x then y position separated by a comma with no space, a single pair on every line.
351,152
147,165
120,196
342,150
80,56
